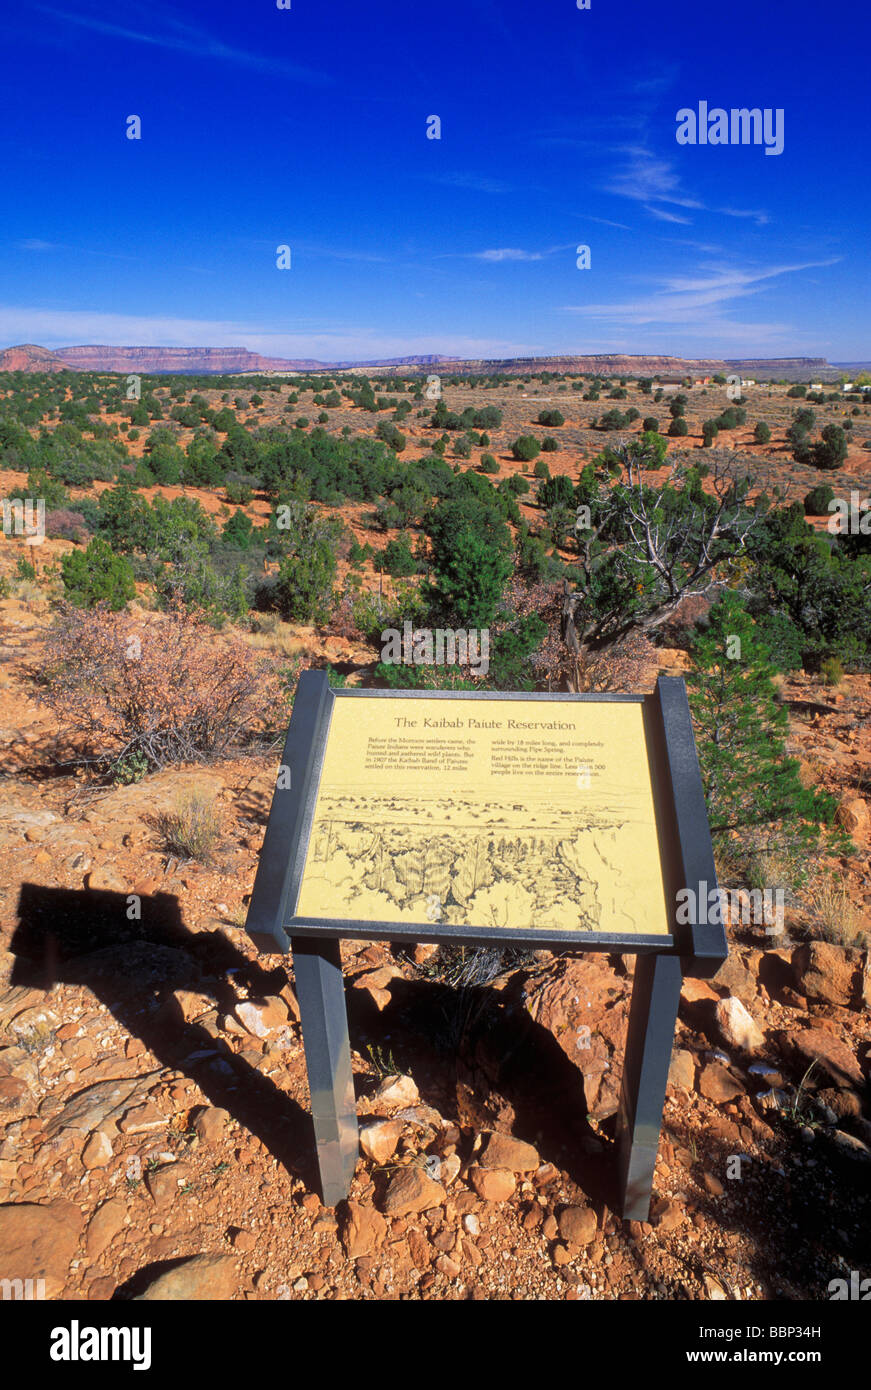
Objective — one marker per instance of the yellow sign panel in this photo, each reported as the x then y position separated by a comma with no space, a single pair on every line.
486,813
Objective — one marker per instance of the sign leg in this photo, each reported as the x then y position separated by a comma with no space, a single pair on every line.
320,989
652,1019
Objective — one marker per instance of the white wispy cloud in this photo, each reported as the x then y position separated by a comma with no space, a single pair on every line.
683,301
507,253
167,32
664,216
648,179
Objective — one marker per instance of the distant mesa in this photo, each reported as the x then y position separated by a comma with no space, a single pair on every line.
222,361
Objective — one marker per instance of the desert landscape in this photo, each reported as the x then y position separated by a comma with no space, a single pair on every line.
152,1080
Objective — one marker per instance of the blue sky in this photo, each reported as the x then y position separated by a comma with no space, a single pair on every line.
307,127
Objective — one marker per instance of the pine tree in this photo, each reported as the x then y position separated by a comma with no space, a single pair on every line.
755,796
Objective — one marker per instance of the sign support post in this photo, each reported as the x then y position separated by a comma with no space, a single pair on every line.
649,1041
320,992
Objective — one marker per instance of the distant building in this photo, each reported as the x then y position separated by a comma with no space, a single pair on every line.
816,386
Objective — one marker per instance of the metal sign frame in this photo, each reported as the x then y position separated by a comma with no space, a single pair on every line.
693,948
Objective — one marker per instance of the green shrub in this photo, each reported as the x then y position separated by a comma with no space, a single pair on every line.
526,448
553,492
816,503
549,445
488,464
678,427
761,434
97,575
238,531
541,469
396,558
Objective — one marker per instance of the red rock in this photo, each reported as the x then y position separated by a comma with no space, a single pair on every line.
200,1279
13,1089
210,1123
545,1174
142,1119
693,991
669,1215
98,1151
38,1242
378,1140
164,1183
245,1241
411,1190
504,1151
833,1057
363,1230
260,1017
717,1084
739,974
577,1225
101,1290
104,1225
106,879
736,1027
830,974
397,1091
493,1184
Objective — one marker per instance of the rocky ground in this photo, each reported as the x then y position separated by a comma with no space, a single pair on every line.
154,1131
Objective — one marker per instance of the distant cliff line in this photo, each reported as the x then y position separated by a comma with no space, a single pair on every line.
212,361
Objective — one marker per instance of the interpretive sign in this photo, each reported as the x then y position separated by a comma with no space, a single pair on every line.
571,821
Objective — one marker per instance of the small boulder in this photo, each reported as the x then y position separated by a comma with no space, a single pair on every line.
38,1242
737,1028
203,1278
412,1190
97,1151
397,1090
717,1084
260,1017
209,1123
504,1151
379,1139
829,974
493,1184
577,1225
363,1229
